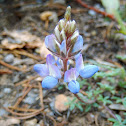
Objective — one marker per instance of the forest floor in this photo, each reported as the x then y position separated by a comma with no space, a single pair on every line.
22,33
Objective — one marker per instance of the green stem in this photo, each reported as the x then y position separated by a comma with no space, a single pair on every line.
120,21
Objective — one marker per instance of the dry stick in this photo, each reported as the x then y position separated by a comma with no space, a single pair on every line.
109,111
21,98
26,80
34,86
5,71
41,95
21,109
95,9
24,116
89,102
10,66
16,113
82,92
22,52
54,121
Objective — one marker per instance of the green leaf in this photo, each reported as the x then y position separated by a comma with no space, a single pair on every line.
112,120
72,106
88,108
124,102
118,117
79,107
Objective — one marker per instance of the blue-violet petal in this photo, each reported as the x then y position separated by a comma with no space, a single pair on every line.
54,71
63,47
79,63
78,45
50,59
50,43
41,69
88,71
70,75
74,86
49,82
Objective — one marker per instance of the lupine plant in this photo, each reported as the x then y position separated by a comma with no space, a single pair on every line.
65,44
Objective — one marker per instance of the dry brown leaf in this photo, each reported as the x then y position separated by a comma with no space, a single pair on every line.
19,39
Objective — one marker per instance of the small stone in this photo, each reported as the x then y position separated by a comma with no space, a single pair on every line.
59,119
59,1
6,104
60,103
32,94
7,90
90,117
32,122
93,33
9,58
97,6
12,121
16,78
1,95
29,100
37,125
92,13
3,112
35,91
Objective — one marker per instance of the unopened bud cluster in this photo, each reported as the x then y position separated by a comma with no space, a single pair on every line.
64,38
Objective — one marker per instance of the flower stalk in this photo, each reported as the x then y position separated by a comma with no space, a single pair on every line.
65,44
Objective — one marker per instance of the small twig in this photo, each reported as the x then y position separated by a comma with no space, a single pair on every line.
96,120
34,86
16,113
23,52
95,9
21,98
28,115
5,71
21,109
109,111
54,121
41,95
89,102
10,66
82,92
26,80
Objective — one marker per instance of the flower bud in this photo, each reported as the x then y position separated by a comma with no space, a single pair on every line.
61,24
72,26
74,36
62,34
68,14
57,33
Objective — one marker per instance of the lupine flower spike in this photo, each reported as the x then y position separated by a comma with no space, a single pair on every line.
65,44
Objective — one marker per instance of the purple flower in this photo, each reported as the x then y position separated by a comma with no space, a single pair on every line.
70,77
50,71
78,45
85,71
52,44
